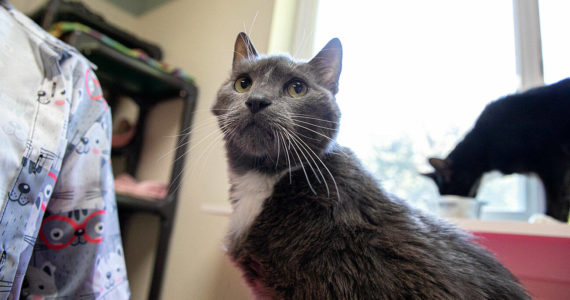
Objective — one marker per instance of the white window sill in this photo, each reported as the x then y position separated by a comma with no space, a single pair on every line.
513,227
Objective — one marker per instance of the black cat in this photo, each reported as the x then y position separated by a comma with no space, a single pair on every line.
520,133
308,221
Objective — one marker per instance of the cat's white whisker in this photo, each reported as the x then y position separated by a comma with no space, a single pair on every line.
204,124
207,150
304,170
311,130
295,148
304,40
217,139
319,133
326,168
309,152
278,148
240,54
314,125
312,118
187,142
173,150
316,165
189,130
194,127
253,23
303,153
288,159
224,130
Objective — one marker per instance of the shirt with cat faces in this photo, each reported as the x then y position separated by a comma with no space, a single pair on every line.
59,231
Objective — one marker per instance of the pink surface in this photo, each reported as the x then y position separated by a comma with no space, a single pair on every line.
541,263
149,189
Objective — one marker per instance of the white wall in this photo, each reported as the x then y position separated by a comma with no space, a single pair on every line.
197,36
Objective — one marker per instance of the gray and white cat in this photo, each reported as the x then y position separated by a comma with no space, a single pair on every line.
308,221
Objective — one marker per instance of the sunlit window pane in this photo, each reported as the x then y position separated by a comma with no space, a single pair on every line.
555,33
416,74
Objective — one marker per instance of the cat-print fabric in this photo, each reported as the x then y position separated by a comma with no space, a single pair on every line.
59,232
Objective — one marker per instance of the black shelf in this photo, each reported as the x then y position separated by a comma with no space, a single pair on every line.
128,75
135,204
73,11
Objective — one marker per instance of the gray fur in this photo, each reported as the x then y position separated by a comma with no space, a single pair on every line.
331,232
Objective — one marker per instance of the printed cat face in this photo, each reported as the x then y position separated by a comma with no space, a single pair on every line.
74,228
271,104
39,281
92,143
111,271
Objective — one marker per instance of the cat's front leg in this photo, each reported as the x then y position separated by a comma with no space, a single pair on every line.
557,186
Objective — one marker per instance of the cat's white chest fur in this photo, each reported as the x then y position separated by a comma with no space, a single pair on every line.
247,195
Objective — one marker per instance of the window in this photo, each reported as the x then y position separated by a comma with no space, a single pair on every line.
555,28
416,74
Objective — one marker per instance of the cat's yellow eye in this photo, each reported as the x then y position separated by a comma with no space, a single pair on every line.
242,84
296,89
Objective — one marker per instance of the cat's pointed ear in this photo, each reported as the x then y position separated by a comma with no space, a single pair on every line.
48,268
442,167
328,63
243,49
429,175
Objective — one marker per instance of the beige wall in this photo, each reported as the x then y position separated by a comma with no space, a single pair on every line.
197,36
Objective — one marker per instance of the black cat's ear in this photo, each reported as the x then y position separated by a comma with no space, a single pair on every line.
328,63
442,167
243,49
429,175
48,268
